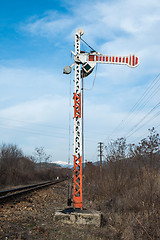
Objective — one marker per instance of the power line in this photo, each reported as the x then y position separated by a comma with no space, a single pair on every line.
89,89
137,105
141,126
157,105
32,131
147,100
152,89
33,123
145,133
69,125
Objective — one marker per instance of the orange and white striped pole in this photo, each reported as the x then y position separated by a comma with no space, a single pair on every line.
77,169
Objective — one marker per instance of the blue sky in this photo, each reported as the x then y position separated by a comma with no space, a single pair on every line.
36,39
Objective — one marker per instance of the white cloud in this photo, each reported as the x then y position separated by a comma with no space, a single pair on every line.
31,96
49,26
29,83
123,27
39,110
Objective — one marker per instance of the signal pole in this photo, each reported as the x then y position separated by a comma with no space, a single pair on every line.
78,138
84,64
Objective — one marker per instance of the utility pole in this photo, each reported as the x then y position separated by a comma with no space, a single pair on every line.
84,64
100,155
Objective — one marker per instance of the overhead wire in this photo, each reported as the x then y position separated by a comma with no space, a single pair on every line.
82,96
70,183
140,104
31,123
148,99
88,44
69,125
151,90
129,135
89,89
31,131
155,127
134,128
53,131
137,104
153,117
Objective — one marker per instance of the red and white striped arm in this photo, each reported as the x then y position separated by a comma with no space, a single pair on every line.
131,60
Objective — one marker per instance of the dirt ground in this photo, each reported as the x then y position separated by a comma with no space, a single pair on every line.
33,218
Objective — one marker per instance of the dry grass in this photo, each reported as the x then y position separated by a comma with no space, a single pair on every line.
128,192
131,213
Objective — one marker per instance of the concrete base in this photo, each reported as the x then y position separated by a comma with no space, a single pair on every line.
77,216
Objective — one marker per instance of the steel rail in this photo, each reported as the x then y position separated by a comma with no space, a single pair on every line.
2,193
24,190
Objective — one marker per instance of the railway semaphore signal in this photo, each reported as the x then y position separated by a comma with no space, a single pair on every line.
84,64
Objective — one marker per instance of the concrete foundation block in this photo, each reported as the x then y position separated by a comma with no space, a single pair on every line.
77,216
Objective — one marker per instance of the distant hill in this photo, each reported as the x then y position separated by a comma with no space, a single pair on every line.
61,164
48,165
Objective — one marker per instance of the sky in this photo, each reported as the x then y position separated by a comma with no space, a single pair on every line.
36,106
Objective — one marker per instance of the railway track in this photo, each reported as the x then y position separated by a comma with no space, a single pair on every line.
10,194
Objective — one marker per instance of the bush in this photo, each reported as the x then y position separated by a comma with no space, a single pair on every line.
16,169
128,192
